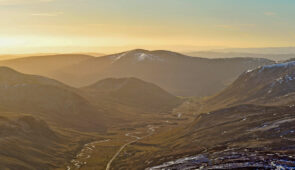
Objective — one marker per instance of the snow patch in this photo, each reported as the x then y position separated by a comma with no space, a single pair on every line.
118,57
144,56
281,80
278,65
195,159
284,79
248,71
137,56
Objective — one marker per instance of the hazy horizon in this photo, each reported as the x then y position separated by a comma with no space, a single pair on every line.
60,26
178,49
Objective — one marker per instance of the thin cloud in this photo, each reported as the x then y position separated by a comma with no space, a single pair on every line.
226,26
17,2
48,14
234,26
270,14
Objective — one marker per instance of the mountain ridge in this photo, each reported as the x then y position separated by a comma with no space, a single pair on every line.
266,85
132,92
46,98
177,73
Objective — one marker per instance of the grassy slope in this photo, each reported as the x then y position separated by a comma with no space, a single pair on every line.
237,127
132,93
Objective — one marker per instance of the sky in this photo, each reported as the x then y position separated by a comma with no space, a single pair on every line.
105,26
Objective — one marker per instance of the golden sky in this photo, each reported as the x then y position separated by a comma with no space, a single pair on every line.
54,26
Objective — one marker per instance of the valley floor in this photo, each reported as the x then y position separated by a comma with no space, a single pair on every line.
104,154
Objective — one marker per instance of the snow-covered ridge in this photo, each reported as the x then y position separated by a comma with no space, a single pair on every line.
139,56
117,57
144,56
248,71
278,65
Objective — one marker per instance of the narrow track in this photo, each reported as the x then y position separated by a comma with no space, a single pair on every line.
150,128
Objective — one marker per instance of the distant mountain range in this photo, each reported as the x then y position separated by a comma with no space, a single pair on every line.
47,65
266,50
179,74
229,54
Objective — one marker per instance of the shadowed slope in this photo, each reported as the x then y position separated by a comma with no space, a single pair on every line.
134,93
29,143
55,102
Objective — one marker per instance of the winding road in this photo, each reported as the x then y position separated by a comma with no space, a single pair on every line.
151,130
